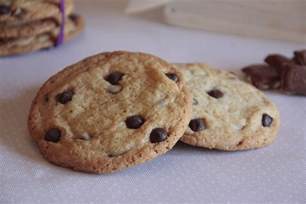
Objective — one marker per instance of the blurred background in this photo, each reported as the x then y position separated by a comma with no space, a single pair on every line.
185,175
120,24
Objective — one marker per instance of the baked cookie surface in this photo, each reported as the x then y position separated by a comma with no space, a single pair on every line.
28,29
74,25
110,111
228,114
22,11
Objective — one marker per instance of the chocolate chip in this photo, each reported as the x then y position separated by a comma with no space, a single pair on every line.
5,10
158,135
266,120
263,76
53,135
300,57
281,73
114,77
197,124
215,93
294,79
65,97
172,76
278,61
240,143
134,122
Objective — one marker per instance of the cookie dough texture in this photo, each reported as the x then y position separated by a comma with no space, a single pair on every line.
74,25
233,112
94,134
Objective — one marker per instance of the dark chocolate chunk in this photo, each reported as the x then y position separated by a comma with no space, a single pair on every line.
158,135
134,122
215,93
278,62
300,57
114,77
280,73
172,76
294,80
197,124
5,10
266,120
263,76
53,135
65,97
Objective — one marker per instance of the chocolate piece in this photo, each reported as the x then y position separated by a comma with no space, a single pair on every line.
158,135
266,120
216,93
300,57
278,61
65,97
53,135
5,10
197,124
263,76
114,77
172,76
294,79
134,122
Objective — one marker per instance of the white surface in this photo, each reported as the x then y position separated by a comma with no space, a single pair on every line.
275,174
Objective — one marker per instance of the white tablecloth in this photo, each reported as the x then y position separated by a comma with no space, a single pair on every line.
276,174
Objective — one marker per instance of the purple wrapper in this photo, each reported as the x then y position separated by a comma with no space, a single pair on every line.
61,35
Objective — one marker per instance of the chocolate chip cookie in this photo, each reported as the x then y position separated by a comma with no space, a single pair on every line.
73,26
22,11
29,29
110,111
228,114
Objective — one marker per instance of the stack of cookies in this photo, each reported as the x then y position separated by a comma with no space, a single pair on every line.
115,110
31,25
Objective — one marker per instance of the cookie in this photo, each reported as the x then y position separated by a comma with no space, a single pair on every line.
74,26
14,12
228,114
109,112
28,29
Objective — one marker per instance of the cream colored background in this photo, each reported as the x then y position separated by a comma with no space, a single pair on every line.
185,175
